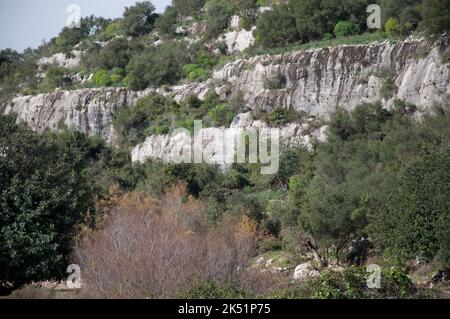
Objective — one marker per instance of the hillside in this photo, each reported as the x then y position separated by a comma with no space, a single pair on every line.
91,120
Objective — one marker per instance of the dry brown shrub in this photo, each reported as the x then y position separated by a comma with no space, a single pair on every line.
147,248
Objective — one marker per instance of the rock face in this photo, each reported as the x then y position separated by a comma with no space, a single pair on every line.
87,110
238,40
304,271
318,80
169,146
60,59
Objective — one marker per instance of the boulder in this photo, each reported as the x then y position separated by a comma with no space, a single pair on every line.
304,271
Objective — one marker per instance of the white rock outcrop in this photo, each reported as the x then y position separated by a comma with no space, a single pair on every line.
317,81
87,110
70,62
304,271
238,40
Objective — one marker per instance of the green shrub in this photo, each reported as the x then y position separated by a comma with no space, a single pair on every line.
276,27
392,27
396,284
102,78
218,14
194,72
158,65
55,77
46,192
139,19
114,29
221,115
345,29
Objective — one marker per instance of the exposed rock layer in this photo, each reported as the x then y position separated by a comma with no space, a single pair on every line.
317,81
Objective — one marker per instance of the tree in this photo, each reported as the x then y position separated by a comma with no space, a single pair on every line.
139,19
408,12
114,54
70,36
186,8
314,18
276,27
392,27
166,23
218,14
415,221
436,16
158,65
345,29
44,193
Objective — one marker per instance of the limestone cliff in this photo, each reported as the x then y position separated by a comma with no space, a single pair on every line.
318,80
315,81
87,110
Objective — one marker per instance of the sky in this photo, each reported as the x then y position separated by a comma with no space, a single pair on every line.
25,23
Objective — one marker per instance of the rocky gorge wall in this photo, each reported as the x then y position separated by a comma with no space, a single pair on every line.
87,110
319,80
315,81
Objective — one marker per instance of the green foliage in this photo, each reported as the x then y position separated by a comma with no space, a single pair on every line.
345,29
114,54
69,37
150,115
112,30
139,19
392,27
436,16
352,284
166,23
276,27
194,72
187,8
415,221
218,14
102,78
316,18
44,194
158,65
55,77
355,170
407,13
388,87
221,115
280,117
17,71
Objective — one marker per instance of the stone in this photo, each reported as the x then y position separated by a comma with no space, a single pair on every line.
234,22
304,271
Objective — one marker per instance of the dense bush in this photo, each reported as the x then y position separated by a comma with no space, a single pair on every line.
44,194
158,65
415,221
352,284
276,27
436,16
316,18
135,124
346,192
218,14
392,27
139,19
345,29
